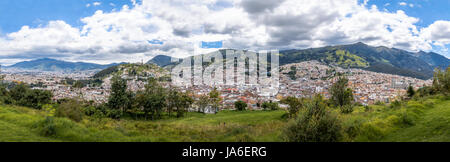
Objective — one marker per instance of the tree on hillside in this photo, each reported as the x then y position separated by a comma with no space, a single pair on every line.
215,99
172,96
18,92
153,99
183,102
119,99
202,103
295,104
240,105
340,94
317,124
411,92
441,81
5,97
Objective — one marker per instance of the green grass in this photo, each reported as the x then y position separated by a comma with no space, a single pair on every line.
19,124
424,120
434,126
416,120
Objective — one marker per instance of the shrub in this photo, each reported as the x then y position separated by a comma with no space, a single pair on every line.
367,108
270,106
396,104
317,124
240,105
47,127
71,110
346,109
380,103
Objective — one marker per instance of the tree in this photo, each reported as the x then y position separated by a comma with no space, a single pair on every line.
118,100
240,105
295,104
340,94
215,99
153,99
202,103
441,81
78,85
183,103
18,92
171,98
23,95
410,92
5,97
317,124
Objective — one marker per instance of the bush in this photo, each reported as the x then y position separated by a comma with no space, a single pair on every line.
380,103
71,110
367,108
270,106
240,105
346,109
317,124
47,127
396,104
24,96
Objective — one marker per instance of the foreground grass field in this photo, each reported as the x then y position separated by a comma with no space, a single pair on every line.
24,124
417,120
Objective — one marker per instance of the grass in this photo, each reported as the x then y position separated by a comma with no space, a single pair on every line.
420,120
424,120
19,124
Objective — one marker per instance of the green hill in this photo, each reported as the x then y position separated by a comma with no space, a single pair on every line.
133,70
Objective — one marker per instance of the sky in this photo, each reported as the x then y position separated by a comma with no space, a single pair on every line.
106,31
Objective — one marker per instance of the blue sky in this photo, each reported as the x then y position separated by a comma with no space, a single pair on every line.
427,11
17,13
75,30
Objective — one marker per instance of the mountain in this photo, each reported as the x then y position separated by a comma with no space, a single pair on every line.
359,55
47,64
433,59
161,60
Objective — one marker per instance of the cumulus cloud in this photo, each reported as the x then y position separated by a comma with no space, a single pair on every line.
438,33
123,35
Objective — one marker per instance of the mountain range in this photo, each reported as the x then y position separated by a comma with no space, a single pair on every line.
359,55
47,64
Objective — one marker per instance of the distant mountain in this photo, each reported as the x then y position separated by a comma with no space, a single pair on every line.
360,55
47,64
161,60
433,59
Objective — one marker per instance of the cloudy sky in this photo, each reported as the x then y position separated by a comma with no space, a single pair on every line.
106,31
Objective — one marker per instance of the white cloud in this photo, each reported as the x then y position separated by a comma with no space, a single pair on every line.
438,33
88,5
402,3
122,35
96,3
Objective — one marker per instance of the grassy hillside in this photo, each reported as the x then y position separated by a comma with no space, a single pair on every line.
425,119
24,124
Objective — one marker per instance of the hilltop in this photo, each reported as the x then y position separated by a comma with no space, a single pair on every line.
133,71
